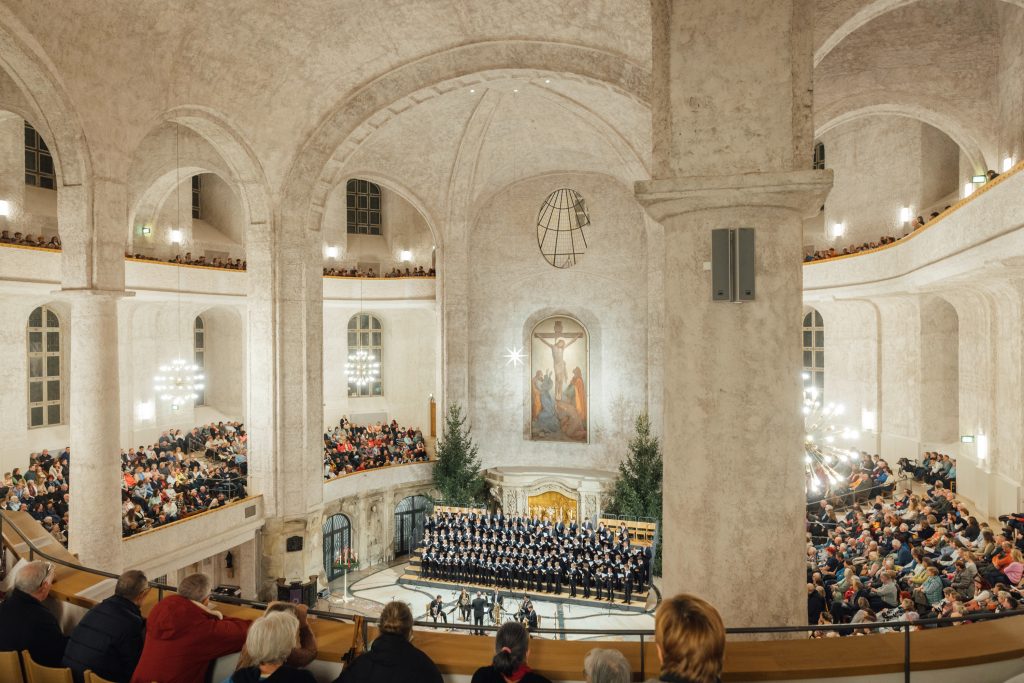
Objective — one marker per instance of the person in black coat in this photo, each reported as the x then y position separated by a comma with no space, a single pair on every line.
109,638
391,657
25,624
511,650
479,609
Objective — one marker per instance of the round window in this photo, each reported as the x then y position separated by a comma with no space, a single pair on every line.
560,228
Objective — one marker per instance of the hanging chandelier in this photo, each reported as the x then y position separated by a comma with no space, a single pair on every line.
823,452
362,368
179,382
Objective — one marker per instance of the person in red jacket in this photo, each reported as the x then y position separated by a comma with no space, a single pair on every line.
184,635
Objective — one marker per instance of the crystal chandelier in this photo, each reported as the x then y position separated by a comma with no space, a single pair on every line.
179,382
822,452
362,368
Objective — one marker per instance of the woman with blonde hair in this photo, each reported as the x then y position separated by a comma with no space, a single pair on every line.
691,640
269,643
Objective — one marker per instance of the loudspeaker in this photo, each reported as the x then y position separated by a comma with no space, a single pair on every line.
732,264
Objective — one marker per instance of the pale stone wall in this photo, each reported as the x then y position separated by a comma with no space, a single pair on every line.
512,288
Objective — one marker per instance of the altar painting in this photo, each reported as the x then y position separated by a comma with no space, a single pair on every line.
559,380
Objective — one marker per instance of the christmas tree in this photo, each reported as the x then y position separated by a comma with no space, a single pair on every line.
636,492
457,472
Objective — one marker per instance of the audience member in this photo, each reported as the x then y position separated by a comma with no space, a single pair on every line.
511,655
606,666
109,638
418,271
269,644
691,640
303,653
392,658
354,448
184,635
25,624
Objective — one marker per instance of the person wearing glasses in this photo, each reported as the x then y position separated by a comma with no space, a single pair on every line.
25,624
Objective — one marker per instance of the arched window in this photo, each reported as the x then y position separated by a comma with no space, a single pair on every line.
410,514
45,369
819,156
337,545
38,161
362,200
814,349
199,351
366,334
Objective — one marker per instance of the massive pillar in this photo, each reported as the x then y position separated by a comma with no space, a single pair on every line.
95,506
732,138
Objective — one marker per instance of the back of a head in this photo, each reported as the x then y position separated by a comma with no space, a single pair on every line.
691,638
510,646
271,638
31,576
195,587
606,666
131,584
396,619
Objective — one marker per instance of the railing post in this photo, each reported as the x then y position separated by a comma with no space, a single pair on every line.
906,653
643,671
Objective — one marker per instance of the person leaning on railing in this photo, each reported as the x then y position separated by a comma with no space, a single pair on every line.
691,641
303,653
25,624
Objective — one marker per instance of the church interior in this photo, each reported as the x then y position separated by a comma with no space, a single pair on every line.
558,308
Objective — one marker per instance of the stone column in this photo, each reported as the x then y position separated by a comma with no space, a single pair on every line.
95,508
731,133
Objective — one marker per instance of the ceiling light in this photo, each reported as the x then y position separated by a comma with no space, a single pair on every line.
146,230
175,236
515,89
472,90
332,252
405,256
838,230
547,80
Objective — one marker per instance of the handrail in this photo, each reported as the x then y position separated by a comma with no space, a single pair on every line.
644,635
859,491
382,467
932,222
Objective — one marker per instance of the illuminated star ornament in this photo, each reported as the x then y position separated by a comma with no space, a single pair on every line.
514,356
822,452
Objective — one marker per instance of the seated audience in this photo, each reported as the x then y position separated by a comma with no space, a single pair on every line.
184,635
511,655
354,448
25,624
606,666
269,644
304,651
418,271
392,658
109,638
691,640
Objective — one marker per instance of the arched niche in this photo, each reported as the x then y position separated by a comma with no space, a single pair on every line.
559,378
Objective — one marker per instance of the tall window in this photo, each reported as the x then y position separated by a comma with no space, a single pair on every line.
45,367
199,349
819,156
337,545
366,334
814,349
197,194
38,162
363,204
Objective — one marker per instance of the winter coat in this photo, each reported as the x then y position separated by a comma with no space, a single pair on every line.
391,659
108,640
182,638
26,625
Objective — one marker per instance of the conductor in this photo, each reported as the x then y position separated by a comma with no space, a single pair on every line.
479,608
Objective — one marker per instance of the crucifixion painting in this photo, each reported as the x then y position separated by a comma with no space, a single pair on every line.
559,380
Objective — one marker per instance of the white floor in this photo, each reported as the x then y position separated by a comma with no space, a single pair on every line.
369,594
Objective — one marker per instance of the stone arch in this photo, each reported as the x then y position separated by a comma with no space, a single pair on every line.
226,350
402,190
870,11
959,133
382,97
49,109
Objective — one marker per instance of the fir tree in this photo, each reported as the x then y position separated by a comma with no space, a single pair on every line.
457,472
636,492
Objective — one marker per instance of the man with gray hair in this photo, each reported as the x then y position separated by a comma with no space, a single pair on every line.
184,635
25,624
110,636
606,666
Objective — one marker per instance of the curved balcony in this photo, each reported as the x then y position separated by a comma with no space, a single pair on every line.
980,232
378,478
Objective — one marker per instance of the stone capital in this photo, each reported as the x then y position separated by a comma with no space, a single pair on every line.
801,192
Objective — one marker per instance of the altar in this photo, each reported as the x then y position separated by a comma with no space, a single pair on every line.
558,494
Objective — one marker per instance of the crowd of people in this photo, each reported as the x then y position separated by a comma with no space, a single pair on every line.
188,260
184,635
352,448
184,472
909,556
416,271
531,554
39,241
